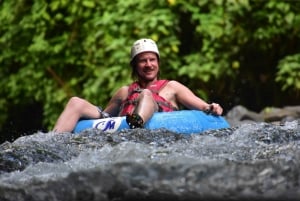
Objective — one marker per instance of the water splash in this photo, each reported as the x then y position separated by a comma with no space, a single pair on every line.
257,160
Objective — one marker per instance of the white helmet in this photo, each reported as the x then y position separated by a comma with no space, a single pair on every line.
143,45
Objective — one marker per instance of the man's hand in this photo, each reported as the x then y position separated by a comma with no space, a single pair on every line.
214,109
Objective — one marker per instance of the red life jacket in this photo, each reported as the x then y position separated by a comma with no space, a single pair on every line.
134,90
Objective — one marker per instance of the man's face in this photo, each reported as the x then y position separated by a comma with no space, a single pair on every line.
147,66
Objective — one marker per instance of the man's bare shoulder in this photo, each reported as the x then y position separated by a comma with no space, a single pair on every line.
178,88
121,93
174,84
171,89
123,88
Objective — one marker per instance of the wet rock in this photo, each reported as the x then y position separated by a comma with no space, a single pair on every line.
239,115
253,160
272,114
216,180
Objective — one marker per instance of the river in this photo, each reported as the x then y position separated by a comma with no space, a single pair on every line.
253,161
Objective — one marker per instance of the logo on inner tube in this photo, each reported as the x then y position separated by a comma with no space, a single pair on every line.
108,125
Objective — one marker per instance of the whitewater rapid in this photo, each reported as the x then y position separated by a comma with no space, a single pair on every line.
257,161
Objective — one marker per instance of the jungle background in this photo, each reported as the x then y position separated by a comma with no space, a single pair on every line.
234,52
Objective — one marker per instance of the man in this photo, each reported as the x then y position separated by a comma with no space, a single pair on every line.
139,100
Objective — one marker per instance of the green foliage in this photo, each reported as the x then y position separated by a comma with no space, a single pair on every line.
52,50
289,72
58,49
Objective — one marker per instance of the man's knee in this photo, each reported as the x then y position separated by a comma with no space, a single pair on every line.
75,103
146,93
147,98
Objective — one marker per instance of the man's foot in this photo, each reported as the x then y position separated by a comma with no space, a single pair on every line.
134,121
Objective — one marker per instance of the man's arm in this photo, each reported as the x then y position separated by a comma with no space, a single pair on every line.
187,98
114,105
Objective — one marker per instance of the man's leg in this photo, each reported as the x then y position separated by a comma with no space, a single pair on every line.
144,110
75,109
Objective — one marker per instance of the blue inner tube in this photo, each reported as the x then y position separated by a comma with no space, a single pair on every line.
183,121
